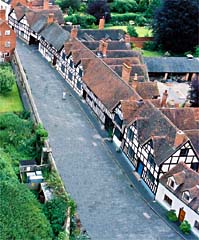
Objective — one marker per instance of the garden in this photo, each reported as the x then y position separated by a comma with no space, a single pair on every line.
22,215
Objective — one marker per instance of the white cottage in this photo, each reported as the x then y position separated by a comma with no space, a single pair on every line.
179,190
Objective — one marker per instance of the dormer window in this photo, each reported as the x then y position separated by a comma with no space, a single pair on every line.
171,183
186,196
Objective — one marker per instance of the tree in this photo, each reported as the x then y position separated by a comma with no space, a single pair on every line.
176,24
99,9
194,91
64,4
7,79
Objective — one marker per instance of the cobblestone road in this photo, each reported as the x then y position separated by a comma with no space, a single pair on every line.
108,207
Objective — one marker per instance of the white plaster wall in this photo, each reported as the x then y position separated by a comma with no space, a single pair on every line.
190,216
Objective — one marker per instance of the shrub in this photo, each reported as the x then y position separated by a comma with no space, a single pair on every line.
82,20
140,20
196,53
150,46
123,6
185,227
55,211
171,215
132,31
126,17
7,78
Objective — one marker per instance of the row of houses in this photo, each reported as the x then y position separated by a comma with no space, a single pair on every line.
113,80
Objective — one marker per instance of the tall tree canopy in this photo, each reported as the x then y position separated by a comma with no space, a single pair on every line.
176,25
99,9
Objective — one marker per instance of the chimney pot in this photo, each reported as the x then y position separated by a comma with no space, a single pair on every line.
45,4
126,72
164,99
101,23
73,33
179,138
50,18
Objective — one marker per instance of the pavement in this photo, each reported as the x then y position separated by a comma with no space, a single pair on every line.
112,204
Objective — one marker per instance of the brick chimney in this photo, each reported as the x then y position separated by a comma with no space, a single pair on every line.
73,33
103,46
126,71
101,23
3,14
179,138
164,99
29,3
45,4
50,18
127,38
135,81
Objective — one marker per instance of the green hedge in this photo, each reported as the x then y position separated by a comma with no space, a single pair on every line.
126,17
82,20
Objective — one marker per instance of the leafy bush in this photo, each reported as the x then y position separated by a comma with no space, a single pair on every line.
82,20
132,31
140,20
20,214
150,46
55,211
123,6
196,53
126,17
7,78
171,215
185,227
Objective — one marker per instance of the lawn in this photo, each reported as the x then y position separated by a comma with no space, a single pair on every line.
142,31
147,53
11,101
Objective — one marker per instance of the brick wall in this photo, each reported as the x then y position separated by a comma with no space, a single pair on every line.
7,42
139,41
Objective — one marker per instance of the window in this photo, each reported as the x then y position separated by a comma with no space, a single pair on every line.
70,76
7,44
118,120
80,72
184,152
71,63
151,160
167,200
186,196
7,32
130,134
62,68
150,176
79,85
118,134
63,56
195,166
171,183
196,224
131,153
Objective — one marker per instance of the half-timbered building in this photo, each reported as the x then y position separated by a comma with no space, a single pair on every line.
151,141
28,22
179,190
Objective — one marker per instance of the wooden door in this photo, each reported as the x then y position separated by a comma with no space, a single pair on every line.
181,215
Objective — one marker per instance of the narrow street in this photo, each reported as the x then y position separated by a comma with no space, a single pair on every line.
108,207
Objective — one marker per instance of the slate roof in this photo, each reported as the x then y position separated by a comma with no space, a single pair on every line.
121,54
39,24
106,85
172,65
55,35
188,181
96,35
112,45
33,15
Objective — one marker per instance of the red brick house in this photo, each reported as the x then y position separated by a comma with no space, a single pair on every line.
7,39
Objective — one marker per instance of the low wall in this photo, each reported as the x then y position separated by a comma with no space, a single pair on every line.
139,41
